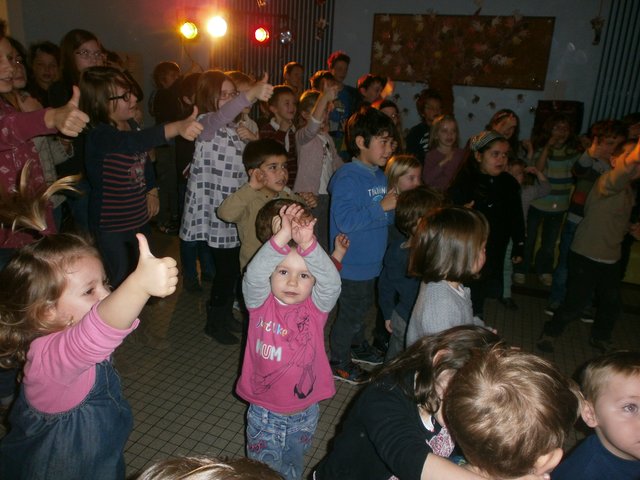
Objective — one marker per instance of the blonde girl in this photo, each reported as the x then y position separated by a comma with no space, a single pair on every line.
403,173
444,157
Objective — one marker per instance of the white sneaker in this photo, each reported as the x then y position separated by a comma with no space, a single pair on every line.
546,279
519,278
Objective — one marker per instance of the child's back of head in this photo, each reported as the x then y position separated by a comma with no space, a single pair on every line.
204,468
268,218
415,204
510,412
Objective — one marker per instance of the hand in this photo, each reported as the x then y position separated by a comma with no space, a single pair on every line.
245,134
302,231
287,214
309,199
68,119
27,103
153,203
190,128
340,246
156,276
387,326
389,201
516,260
330,90
256,179
261,90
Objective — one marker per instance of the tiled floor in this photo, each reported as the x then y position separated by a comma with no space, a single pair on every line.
182,393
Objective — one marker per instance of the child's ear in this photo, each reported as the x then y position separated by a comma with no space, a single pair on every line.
49,313
548,461
588,414
273,109
360,142
478,156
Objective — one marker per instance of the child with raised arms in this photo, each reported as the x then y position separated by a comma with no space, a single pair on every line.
447,250
59,320
289,292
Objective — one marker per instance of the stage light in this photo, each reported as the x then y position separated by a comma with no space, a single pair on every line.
189,30
261,35
217,26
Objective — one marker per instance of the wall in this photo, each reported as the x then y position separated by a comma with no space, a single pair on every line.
572,68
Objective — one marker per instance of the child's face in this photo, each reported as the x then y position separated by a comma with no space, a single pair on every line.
447,134
227,93
379,150
85,286
20,72
274,173
517,172
506,126
45,69
410,180
294,78
616,416
392,113
480,259
89,54
123,105
284,107
605,147
432,109
7,66
169,78
372,92
340,70
493,161
291,282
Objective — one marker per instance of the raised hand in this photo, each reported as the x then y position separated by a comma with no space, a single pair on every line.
68,119
302,231
158,277
261,90
190,128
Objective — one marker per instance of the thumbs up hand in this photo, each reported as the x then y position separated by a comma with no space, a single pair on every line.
158,277
68,119
190,128
261,90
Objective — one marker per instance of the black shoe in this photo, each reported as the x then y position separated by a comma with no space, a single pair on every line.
350,373
508,303
603,346
365,353
546,343
551,309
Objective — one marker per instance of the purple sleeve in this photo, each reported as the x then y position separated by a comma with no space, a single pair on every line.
213,121
18,127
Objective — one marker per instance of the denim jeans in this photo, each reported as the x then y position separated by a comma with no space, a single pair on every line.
397,338
280,440
551,223
355,299
559,285
192,252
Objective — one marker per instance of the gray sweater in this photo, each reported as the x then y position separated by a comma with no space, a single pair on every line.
438,308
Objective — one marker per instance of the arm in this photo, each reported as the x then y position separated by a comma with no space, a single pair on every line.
626,168
152,277
349,211
327,287
256,285
188,128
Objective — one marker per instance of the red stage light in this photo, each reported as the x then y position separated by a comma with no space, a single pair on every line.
262,35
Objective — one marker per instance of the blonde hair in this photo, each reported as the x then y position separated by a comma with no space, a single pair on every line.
595,374
435,128
204,468
507,408
397,166
32,282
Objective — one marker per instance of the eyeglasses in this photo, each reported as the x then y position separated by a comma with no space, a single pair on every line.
126,96
228,95
88,54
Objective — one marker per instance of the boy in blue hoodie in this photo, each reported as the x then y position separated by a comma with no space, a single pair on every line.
362,209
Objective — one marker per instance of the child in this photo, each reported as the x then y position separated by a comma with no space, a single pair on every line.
403,172
370,87
447,249
429,106
206,468
611,388
391,109
123,192
317,155
395,428
361,208
282,106
218,149
483,183
289,293
397,291
58,319
265,162
247,128
517,168
444,158
510,412
293,77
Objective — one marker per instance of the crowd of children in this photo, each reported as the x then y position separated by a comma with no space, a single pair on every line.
322,203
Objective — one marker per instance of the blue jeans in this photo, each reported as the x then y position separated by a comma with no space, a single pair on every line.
355,299
551,223
560,274
190,253
280,440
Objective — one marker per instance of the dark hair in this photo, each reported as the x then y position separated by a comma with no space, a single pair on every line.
68,46
240,77
542,138
453,347
22,52
607,128
278,91
47,47
161,70
97,85
367,123
338,56
447,243
259,151
208,90
423,97
288,68
368,79
316,79
3,29
414,204
264,218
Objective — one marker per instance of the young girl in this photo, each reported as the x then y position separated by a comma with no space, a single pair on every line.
444,157
123,194
59,321
447,250
483,184
396,427
215,173
289,292
403,173
317,155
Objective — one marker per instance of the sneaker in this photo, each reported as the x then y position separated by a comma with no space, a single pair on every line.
587,316
508,303
365,353
546,279
546,343
519,278
603,346
350,373
551,309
